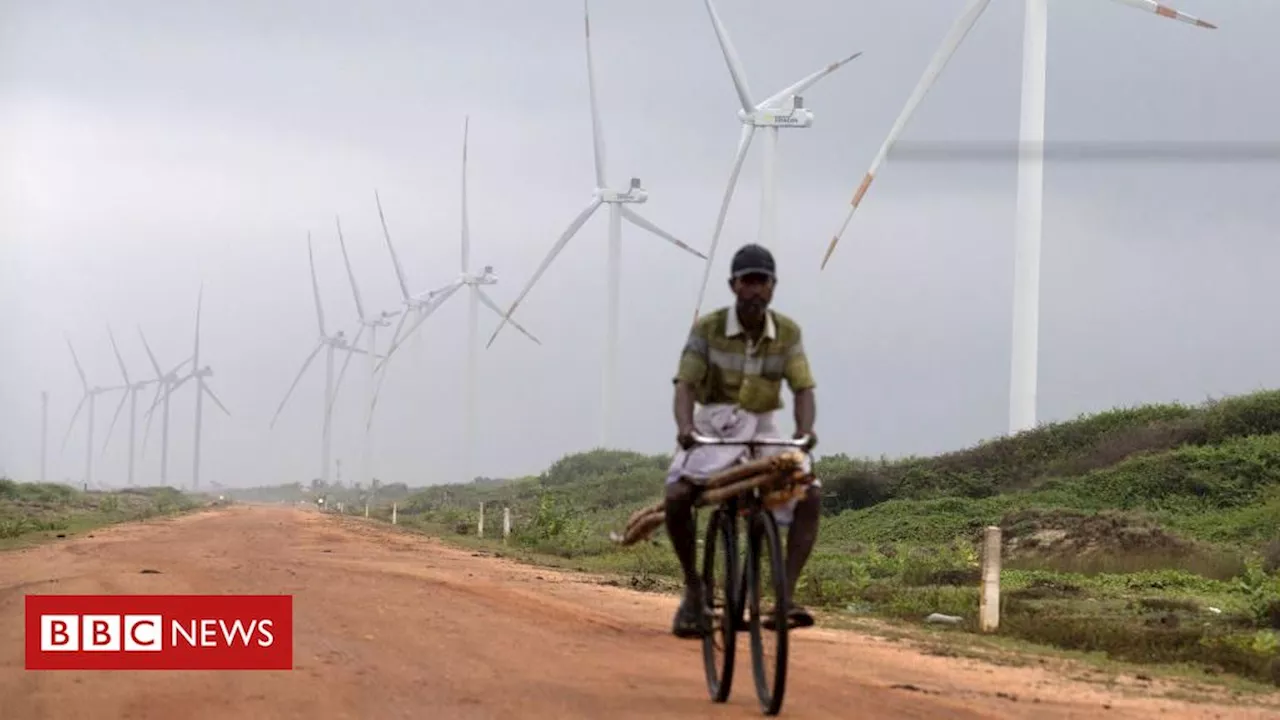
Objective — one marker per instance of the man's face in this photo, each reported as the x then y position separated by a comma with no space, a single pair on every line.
754,292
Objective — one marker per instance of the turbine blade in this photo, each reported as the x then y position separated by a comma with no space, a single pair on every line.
150,355
395,338
574,226
351,350
1166,11
808,81
107,440
355,291
489,303
206,389
146,432
306,364
744,143
315,286
941,56
395,261
76,359
423,314
119,360
597,134
731,58
196,353
83,399
639,221
466,226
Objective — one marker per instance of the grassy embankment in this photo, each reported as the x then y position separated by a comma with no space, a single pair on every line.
1148,534
34,512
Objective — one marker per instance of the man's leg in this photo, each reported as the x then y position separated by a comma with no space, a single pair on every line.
802,536
690,618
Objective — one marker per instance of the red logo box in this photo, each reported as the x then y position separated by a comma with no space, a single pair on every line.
159,632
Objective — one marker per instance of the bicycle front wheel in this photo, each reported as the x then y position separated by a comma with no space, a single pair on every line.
720,587
767,581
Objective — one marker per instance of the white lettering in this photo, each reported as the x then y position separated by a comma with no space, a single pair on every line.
237,629
264,629
213,632
209,633
179,629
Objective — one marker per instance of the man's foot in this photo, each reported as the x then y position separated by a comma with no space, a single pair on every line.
693,618
797,617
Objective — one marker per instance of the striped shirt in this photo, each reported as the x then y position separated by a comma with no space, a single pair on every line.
724,366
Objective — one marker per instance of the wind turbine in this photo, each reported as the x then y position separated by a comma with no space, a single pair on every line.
372,323
1029,222
617,200
131,396
478,297
165,383
420,306
90,396
784,109
202,388
330,343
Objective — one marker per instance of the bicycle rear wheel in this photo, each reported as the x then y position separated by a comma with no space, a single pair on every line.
720,587
766,576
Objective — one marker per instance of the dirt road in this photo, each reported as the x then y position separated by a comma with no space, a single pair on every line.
394,625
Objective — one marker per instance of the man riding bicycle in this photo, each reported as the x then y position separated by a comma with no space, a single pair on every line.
732,368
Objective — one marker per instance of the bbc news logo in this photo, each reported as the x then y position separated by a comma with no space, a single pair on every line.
159,632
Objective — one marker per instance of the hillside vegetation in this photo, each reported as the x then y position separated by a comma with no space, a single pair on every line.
31,512
1151,533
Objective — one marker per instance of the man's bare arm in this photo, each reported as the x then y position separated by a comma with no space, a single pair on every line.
683,406
806,411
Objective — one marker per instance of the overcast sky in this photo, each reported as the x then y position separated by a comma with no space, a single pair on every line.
150,147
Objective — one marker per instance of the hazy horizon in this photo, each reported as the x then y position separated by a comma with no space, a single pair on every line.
151,149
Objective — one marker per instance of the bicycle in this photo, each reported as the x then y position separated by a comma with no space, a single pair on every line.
742,590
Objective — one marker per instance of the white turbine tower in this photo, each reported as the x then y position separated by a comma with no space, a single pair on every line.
1026,283
784,109
90,396
617,200
371,323
330,343
130,396
478,297
165,382
202,388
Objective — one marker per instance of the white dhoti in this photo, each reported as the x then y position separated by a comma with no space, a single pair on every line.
730,422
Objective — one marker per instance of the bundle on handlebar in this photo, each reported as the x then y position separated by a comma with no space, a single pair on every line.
783,475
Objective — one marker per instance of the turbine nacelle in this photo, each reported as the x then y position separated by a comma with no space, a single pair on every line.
635,193
486,277
791,114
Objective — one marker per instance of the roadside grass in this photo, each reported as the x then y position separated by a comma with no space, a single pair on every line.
33,513
1148,535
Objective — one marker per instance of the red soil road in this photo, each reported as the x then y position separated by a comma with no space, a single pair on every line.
390,624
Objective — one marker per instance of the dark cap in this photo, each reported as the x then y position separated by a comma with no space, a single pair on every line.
753,259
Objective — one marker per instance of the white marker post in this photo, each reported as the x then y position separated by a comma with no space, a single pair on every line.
989,601
393,513
480,526
366,510
506,523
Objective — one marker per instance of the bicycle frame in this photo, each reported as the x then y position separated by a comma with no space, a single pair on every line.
750,505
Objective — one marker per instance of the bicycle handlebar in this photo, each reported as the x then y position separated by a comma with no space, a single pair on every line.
801,442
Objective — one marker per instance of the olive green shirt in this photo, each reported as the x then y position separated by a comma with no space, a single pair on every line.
724,366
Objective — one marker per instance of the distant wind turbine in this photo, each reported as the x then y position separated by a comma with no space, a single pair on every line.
1029,223
90,396
478,297
617,200
130,396
784,109
329,343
